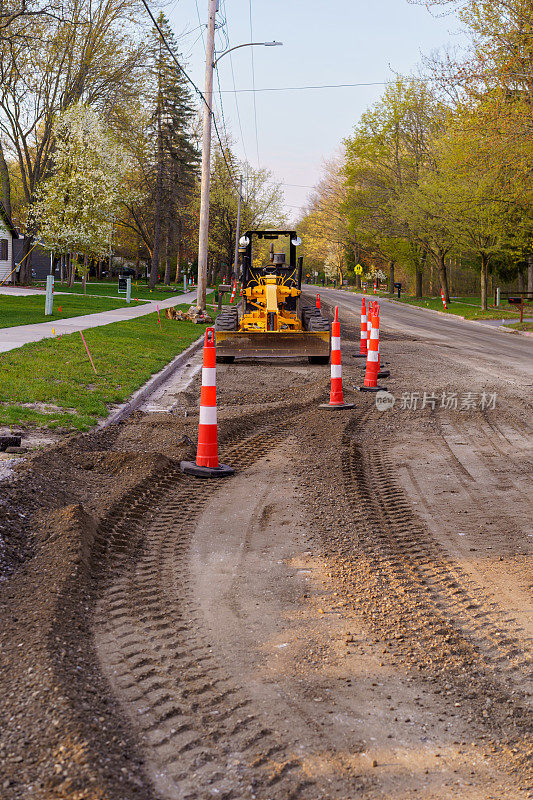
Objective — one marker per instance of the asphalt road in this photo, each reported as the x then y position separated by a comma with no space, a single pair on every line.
480,347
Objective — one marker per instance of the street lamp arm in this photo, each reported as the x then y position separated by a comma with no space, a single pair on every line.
247,44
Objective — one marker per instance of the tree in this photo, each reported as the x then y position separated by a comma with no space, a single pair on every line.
51,66
325,224
262,206
389,150
163,144
76,204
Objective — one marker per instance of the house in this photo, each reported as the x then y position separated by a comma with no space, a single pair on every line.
40,259
8,234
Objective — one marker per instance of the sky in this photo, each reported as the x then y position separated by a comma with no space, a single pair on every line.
324,42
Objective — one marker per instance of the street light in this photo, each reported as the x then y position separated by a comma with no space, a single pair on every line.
247,44
210,63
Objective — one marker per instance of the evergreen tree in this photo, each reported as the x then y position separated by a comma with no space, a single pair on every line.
176,159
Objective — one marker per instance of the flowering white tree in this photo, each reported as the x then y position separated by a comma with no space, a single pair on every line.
75,206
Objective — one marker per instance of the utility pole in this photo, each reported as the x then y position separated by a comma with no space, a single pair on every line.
238,230
206,157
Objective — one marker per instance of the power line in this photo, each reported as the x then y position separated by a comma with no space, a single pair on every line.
301,88
195,87
253,84
233,81
221,106
200,21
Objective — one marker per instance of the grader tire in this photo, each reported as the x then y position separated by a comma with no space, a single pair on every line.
318,323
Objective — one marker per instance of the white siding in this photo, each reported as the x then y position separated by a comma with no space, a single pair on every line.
5,266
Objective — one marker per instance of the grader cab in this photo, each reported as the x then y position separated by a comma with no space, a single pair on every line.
272,320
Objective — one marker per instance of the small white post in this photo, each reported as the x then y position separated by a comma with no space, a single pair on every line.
498,297
128,290
49,300
185,283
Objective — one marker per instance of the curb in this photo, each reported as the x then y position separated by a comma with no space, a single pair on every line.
138,397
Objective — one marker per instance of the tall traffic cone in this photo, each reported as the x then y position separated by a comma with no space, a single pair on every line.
372,361
443,299
206,464
374,309
364,333
318,303
232,298
336,397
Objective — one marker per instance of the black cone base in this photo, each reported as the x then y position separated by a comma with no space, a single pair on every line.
359,355
337,408
371,388
192,468
384,374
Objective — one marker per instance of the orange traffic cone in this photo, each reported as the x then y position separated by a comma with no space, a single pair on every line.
318,303
443,299
206,464
336,397
232,298
372,361
364,333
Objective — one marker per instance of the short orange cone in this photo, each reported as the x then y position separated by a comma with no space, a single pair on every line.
372,361
318,303
336,397
364,333
206,464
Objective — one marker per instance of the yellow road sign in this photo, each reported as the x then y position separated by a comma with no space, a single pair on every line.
358,269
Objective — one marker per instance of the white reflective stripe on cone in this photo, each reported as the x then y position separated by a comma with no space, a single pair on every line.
208,415
374,333
373,355
336,371
335,342
209,376
363,334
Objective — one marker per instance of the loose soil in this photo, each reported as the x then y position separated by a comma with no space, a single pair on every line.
349,616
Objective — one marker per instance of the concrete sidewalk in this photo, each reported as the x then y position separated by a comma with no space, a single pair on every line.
11,338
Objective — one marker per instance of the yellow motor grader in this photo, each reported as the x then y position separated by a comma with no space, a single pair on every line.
272,320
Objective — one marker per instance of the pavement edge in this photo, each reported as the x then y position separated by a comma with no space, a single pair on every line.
138,397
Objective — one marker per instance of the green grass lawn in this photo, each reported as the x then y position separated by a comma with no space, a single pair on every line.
520,326
468,307
110,289
29,309
51,383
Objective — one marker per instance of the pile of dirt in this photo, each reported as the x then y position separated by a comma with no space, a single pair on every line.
62,737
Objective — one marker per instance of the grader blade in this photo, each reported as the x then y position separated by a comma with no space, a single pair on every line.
265,344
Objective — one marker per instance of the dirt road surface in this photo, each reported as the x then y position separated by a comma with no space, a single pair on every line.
348,616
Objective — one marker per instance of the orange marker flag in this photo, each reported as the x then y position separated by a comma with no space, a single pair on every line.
85,343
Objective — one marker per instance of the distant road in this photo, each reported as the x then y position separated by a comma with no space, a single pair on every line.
482,346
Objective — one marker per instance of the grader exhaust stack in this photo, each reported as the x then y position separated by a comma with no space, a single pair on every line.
272,321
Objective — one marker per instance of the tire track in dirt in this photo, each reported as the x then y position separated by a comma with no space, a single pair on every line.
437,618
196,728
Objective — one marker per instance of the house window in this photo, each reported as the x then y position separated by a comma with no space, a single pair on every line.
3,249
